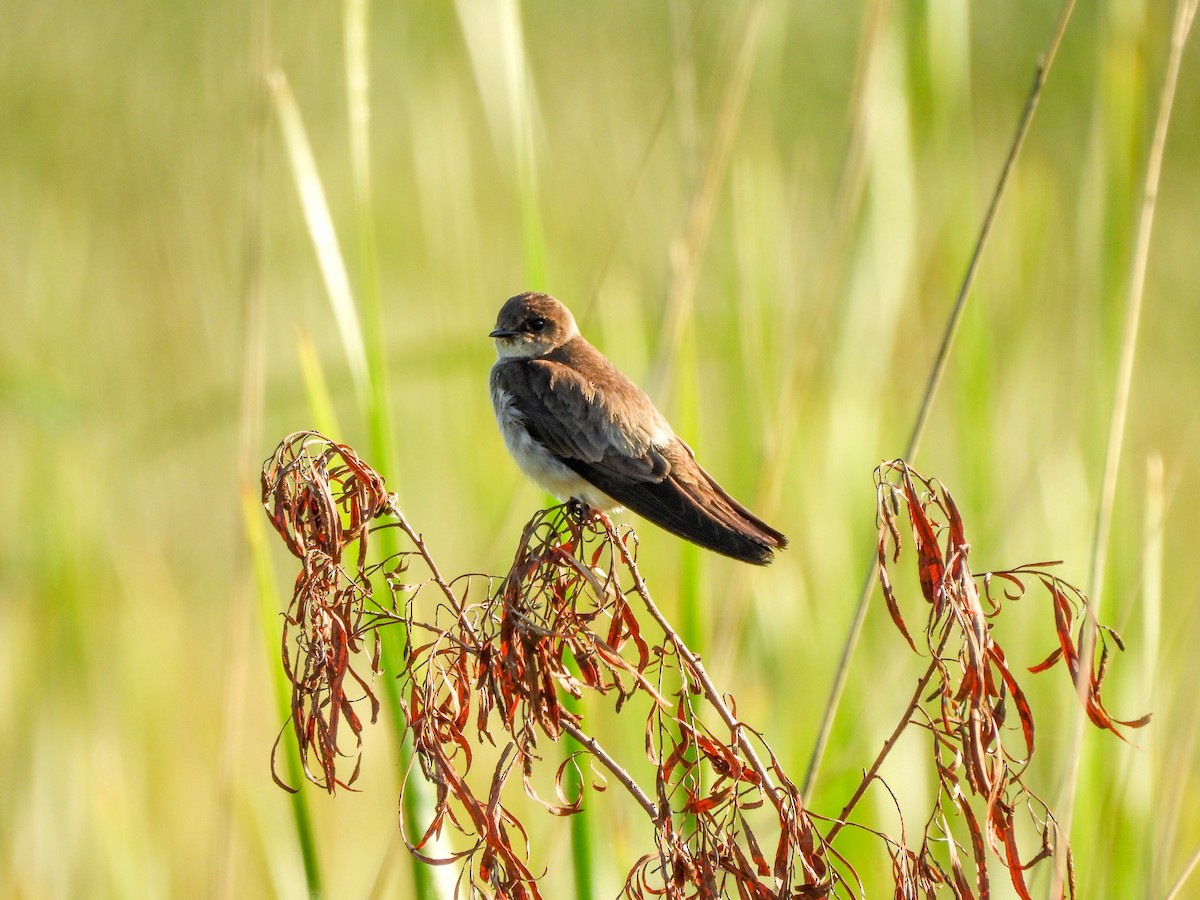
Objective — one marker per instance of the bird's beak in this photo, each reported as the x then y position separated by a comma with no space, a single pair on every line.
502,333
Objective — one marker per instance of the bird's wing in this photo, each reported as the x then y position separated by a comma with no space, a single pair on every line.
574,420
624,447
689,502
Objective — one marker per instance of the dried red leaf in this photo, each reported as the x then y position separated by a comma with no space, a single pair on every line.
1048,662
931,567
978,848
889,597
541,633
1001,822
1024,713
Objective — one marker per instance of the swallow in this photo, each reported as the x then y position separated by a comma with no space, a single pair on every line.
584,432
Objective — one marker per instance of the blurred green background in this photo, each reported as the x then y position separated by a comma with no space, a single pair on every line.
760,211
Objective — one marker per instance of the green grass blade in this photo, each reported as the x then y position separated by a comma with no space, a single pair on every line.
931,387
269,606
376,409
320,229
316,387
496,45
1185,12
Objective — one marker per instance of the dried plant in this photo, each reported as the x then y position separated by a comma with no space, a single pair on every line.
964,696
322,500
490,661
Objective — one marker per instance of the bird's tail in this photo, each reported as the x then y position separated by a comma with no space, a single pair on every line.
710,517
689,503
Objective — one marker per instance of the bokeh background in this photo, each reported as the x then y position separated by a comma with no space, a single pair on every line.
760,210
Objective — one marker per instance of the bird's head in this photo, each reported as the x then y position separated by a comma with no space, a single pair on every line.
531,325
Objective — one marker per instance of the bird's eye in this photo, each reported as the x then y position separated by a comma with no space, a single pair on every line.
538,324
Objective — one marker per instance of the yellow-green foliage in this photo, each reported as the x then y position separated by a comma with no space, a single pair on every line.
760,210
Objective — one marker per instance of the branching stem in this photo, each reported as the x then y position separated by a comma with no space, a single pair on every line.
592,746
905,719
711,694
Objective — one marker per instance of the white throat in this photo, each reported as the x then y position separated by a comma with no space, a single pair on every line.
515,348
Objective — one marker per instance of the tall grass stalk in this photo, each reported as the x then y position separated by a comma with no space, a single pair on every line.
250,417
365,361
496,45
851,186
1149,786
269,607
1185,12
583,846
688,253
316,386
933,383
321,231
376,409
1176,890
358,104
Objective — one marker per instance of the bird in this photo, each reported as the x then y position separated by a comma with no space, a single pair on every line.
583,431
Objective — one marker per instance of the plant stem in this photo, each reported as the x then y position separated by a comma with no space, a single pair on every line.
932,384
1185,13
905,719
592,746
711,694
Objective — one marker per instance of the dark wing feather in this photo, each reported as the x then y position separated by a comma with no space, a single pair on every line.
690,503
629,452
573,417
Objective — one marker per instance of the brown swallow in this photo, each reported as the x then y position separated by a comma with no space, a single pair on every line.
584,431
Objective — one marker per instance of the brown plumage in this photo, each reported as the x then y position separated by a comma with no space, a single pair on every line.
581,429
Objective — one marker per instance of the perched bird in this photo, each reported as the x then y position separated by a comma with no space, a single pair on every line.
584,431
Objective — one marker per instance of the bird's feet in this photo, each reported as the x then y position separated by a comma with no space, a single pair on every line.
579,511
584,514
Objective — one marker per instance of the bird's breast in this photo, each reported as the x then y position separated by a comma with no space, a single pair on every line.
542,466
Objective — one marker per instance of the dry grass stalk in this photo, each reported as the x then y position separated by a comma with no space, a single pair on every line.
489,661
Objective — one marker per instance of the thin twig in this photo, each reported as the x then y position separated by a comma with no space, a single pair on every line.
1184,876
393,507
905,719
592,746
711,694
935,379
